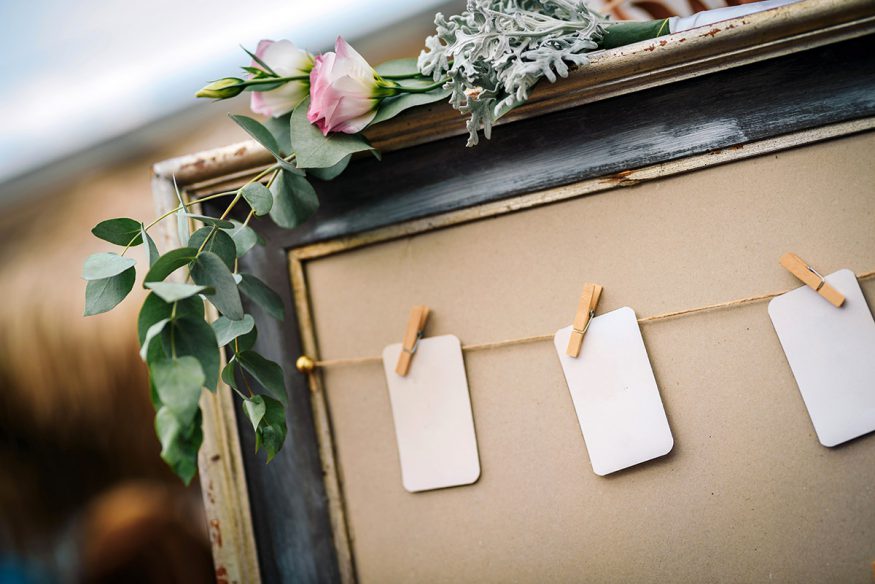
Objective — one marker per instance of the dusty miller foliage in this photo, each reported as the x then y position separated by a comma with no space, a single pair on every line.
497,50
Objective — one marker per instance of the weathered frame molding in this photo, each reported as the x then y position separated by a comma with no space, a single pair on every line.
770,34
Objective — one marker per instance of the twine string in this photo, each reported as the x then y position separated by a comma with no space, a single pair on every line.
539,338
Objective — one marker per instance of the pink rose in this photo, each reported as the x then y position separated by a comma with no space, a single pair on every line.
286,60
345,91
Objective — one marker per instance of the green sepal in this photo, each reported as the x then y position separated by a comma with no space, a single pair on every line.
121,231
261,294
313,150
105,294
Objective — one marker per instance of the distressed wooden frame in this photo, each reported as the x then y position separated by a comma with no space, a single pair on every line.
640,67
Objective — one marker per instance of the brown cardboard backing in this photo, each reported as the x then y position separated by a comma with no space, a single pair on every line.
748,494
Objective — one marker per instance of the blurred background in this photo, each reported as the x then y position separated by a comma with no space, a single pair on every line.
92,93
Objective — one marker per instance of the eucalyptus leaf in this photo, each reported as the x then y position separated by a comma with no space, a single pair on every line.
105,294
294,200
261,294
154,330
331,172
243,236
155,309
398,67
183,228
193,336
279,128
313,150
105,265
209,270
263,136
220,243
227,330
178,383
247,341
173,291
391,107
179,442
259,198
255,410
228,373
210,221
272,429
267,373
151,248
121,231
169,263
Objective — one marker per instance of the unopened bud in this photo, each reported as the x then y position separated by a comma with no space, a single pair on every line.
222,89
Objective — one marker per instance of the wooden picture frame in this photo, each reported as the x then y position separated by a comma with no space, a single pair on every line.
799,75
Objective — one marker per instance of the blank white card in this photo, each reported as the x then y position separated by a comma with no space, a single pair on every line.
832,355
431,408
615,394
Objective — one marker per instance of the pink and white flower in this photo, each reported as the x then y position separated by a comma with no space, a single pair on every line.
345,91
286,60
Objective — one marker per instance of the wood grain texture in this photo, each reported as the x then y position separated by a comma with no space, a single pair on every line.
606,139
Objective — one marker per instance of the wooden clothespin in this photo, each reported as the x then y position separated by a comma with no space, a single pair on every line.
414,331
812,278
589,300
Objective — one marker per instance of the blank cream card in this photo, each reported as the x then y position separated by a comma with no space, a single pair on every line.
615,394
832,355
431,407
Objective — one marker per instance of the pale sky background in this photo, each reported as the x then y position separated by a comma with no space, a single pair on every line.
77,73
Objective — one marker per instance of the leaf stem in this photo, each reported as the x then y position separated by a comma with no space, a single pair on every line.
406,76
425,89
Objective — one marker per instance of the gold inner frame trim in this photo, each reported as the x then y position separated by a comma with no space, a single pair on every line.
298,257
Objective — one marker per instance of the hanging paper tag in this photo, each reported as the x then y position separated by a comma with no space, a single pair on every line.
431,407
832,355
615,394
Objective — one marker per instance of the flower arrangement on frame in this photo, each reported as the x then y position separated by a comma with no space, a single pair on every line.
484,61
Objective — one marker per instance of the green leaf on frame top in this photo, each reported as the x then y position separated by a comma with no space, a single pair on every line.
179,442
267,373
220,243
122,231
105,265
259,198
261,294
294,200
313,150
227,330
169,263
391,107
105,294
209,270
178,383
398,67
173,291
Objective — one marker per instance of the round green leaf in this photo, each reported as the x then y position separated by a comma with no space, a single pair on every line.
155,309
244,237
105,294
121,231
227,330
258,197
179,443
105,265
194,337
209,270
294,200
178,383
169,263
255,409
220,243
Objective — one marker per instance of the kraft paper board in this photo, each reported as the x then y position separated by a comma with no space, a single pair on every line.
747,493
